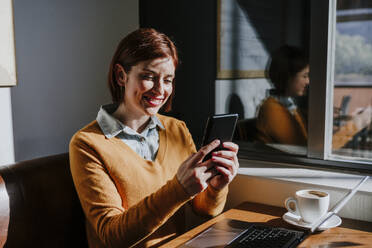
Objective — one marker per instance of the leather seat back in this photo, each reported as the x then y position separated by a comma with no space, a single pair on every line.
44,210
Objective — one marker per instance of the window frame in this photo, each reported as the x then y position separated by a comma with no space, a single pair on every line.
322,51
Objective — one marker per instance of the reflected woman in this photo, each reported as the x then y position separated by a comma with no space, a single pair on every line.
279,118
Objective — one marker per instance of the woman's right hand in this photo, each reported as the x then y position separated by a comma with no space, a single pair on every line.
193,174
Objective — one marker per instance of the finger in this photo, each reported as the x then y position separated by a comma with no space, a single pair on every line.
234,165
213,172
207,164
224,173
232,157
205,176
227,163
231,146
225,154
204,151
190,158
209,174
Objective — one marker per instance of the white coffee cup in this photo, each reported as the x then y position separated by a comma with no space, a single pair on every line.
310,204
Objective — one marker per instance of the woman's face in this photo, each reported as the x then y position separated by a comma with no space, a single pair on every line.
148,86
297,86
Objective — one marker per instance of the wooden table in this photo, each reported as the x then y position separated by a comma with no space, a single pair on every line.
351,233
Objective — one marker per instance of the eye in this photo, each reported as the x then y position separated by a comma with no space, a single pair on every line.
168,80
148,77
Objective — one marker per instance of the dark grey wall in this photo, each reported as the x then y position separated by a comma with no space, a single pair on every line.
192,25
63,50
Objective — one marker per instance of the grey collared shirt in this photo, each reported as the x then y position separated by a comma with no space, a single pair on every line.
145,144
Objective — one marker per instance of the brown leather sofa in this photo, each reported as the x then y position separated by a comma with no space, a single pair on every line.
39,206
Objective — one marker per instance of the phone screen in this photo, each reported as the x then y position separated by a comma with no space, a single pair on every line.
220,127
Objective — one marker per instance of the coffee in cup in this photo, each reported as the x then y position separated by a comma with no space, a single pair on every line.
309,204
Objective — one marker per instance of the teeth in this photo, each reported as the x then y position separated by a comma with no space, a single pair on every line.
154,101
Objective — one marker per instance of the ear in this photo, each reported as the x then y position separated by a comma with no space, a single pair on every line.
120,74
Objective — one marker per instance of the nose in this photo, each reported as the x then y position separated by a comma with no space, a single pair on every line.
307,82
159,86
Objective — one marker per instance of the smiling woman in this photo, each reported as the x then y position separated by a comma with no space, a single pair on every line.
134,169
154,46
148,86
279,118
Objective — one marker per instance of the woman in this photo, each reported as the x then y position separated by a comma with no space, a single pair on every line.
279,119
135,169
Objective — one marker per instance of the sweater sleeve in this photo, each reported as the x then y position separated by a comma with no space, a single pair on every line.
210,202
116,225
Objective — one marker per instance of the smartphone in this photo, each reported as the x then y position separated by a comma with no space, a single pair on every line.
220,127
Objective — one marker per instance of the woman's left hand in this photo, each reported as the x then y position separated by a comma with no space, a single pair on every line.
226,167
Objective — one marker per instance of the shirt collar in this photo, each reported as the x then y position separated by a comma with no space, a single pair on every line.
111,126
287,102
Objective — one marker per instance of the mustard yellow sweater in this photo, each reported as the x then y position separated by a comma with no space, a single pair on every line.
275,124
129,201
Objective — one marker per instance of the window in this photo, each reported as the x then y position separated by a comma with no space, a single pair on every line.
249,35
353,80
340,91
340,118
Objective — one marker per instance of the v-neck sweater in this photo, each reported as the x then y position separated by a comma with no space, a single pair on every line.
276,124
129,201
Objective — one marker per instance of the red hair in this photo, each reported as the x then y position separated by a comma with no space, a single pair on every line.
140,45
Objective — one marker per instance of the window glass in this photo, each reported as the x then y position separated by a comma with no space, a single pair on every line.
352,135
263,72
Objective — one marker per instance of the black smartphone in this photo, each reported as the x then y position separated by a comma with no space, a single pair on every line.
220,127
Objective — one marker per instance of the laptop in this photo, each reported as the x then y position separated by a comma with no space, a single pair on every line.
231,233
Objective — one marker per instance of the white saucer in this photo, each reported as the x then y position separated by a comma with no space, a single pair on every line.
297,221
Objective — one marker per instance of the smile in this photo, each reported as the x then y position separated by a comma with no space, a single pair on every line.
153,101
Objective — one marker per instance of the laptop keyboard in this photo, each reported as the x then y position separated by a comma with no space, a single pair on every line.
264,236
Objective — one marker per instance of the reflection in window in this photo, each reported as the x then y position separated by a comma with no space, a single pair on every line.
353,80
280,119
251,32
